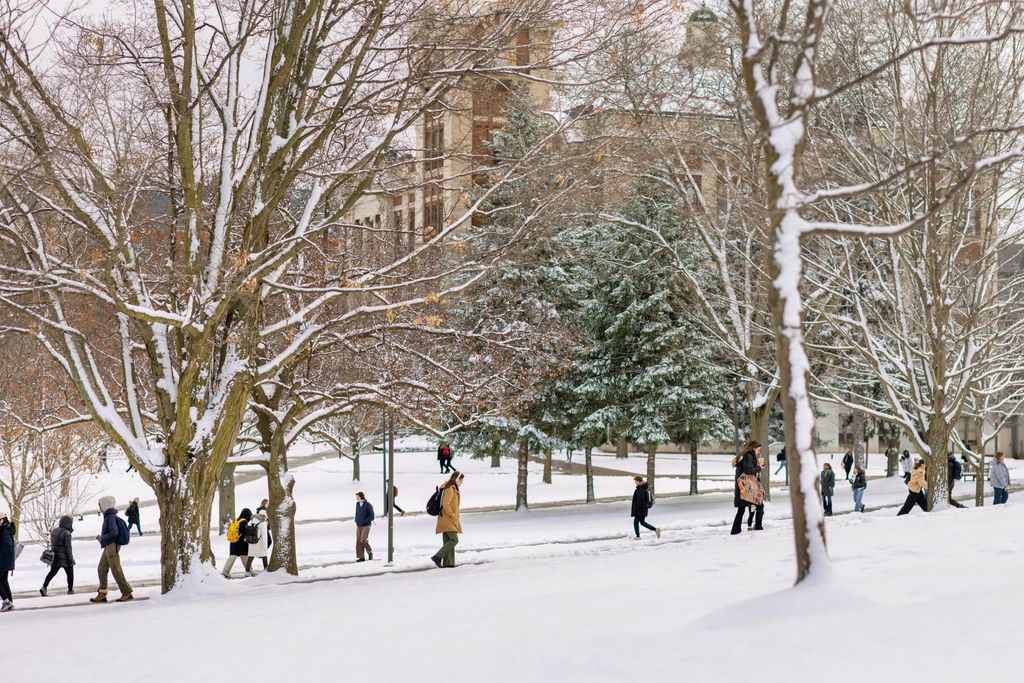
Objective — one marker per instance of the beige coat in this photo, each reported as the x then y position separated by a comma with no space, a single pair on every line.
918,480
448,520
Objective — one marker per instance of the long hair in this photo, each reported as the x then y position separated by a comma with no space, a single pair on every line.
453,480
749,448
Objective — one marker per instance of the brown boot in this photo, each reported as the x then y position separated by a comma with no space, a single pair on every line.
125,598
100,597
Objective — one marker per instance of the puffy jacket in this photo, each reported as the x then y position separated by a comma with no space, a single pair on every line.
240,548
132,513
999,475
746,465
918,480
640,499
860,481
451,502
828,482
109,532
60,543
7,547
364,513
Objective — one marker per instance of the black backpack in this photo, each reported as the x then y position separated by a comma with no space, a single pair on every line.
956,470
252,534
650,499
434,504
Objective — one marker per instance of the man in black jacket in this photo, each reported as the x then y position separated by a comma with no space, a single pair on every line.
63,558
642,502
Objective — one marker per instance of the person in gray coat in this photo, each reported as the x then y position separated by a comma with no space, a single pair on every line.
63,558
999,476
828,487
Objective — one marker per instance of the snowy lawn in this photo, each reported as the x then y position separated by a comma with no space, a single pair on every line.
930,597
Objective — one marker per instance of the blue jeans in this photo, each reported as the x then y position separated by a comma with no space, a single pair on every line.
1002,495
137,525
827,501
858,500
640,522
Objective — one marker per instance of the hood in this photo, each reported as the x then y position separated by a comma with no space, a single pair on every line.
643,486
246,514
107,502
65,523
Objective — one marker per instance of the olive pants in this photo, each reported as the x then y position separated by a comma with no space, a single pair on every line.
111,560
446,555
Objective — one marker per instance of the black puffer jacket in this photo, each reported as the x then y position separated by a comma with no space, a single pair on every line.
240,547
746,465
60,543
132,513
860,481
7,531
640,500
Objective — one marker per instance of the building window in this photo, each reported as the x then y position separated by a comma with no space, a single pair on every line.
433,211
433,138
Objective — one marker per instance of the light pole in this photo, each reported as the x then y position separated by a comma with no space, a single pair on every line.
391,490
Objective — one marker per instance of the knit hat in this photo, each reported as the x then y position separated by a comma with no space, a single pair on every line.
3,514
107,502
262,514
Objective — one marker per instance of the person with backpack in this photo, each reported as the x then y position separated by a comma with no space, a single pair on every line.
859,483
448,501
7,558
364,519
847,464
917,489
643,501
999,477
954,471
748,462
259,533
444,456
783,465
113,534
132,513
237,546
905,466
63,558
828,488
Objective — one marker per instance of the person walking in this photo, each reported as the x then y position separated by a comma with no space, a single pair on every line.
783,465
999,477
443,450
448,522
237,547
905,466
847,464
642,502
918,494
103,461
7,557
261,548
954,471
859,483
747,462
364,519
828,487
110,560
132,513
394,495
264,504
63,558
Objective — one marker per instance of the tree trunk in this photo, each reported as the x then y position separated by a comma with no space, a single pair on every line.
979,481
590,474
759,419
356,474
495,453
523,460
693,468
621,447
651,452
547,465
280,483
858,439
938,465
226,498
891,458
185,500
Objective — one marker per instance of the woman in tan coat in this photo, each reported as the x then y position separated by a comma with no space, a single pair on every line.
448,524
918,489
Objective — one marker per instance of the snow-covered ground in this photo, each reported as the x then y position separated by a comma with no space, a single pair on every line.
562,594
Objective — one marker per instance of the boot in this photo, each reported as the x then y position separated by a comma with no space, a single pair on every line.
100,597
370,556
71,591
436,561
125,598
7,606
42,591
657,532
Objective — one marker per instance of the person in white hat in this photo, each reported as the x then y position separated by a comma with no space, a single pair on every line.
261,548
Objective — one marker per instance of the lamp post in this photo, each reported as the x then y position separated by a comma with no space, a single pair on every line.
391,490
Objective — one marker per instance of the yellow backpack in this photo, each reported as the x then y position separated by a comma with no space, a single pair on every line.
234,531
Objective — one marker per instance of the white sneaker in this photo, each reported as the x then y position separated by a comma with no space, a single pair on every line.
7,606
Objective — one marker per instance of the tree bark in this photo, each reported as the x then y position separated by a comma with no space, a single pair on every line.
356,474
693,468
184,499
938,464
226,497
759,419
621,447
979,481
495,453
858,439
280,483
590,473
651,452
547,465
521,474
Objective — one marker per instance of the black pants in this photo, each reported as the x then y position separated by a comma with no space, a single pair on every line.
70,571
5,587
758,517
913,499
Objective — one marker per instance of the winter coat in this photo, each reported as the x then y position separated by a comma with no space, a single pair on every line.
918,480
364,513
847,462
7,547
999,475
60,544
746,465
860,481
640,499
261,548
828,482
109,531
905,464
444,452
132,513
240,547
448,520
